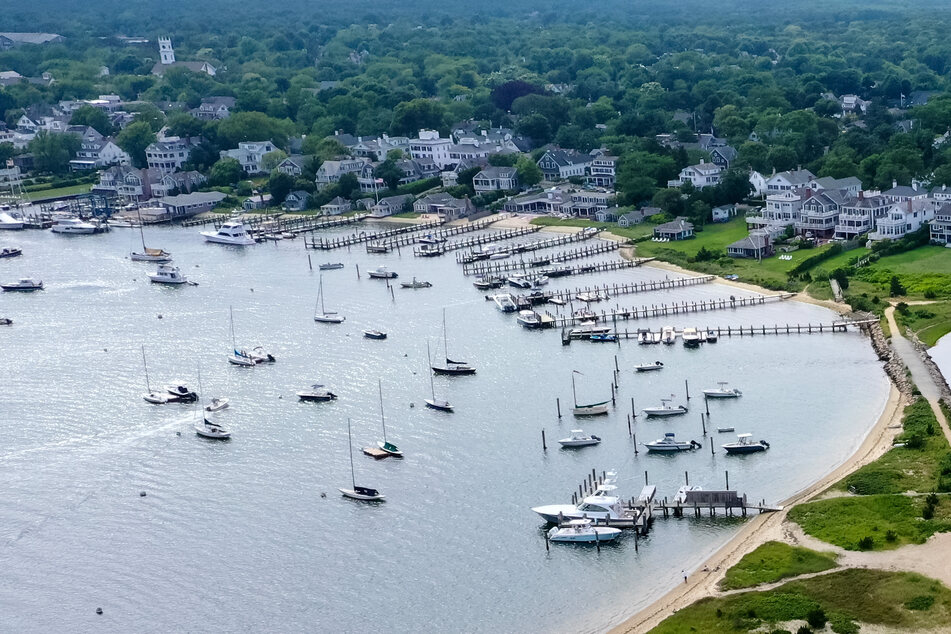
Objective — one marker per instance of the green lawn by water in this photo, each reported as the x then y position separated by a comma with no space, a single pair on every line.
774,561
47,194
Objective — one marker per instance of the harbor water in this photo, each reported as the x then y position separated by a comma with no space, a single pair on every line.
253,535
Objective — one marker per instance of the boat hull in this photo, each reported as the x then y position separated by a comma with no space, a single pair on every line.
454,371
442,406
143,257
329,319
744,449
236,242
316,398
648,368
718,394
212,434
353,495
591,410
599,535
661,413
668,448
579,443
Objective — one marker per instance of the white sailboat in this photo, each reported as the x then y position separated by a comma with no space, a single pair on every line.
156,398
365,494
238,357
453,368
324,316
591,409
386,446
434,403
147,254
208,428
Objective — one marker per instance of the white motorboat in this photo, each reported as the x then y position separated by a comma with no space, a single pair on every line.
587,329
431,238
211,430
529,319
232,232
505,302
646,337
591,409
73,226
502,255
691,337
10,223
519,281
665,409
323,315
723,391
579,439
539,280
668,335
23,284
217,404
382,273
649,367
259,355
745,444
318,393
365,494
168,274
591,296
582,532
669,443
10,252
374,334
330,266
603,504
416,284
486,282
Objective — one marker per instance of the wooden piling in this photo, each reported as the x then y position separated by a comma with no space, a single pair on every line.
544,446
558,405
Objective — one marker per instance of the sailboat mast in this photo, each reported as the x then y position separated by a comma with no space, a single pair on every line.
445,336
382,417
574,394
146,365
231,311
320,292
353,478
429,370
141,231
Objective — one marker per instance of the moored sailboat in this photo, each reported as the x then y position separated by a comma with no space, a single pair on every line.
591,409
365,494
323,315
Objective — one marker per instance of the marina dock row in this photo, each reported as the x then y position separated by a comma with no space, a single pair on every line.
412,236
525,247
327,244
606,291
489,238
485,269
706,334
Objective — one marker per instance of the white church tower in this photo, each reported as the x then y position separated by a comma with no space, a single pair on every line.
166,51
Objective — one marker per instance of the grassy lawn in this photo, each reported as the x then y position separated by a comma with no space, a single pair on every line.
46,194
406,214
930,322
772,562
637,231
901,601
914,467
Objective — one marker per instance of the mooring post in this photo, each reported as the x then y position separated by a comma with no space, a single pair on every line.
645,477
629,425
544,446
687,389
310,265
612,394
686,478
558,405
634,436
358,271
633,411
706,403
703,424
616,368
727,480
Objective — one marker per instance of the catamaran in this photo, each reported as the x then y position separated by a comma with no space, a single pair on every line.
591,409
324,316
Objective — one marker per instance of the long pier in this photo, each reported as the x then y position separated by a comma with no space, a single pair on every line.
719,332
606,291
525,247
489,238
284,223
588,251
412,237
327,244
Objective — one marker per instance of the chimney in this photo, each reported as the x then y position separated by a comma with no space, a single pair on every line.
894,184
909,205
861,195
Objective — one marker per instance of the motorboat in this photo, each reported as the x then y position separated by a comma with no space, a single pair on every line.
668,335
24,284
505,302
711,336
73,226
691,337
745,444
669,443
232,232
181,393
582,532
579,439
586,315
377,247
604,337
374,334
217,404
539,280
646,337
211,430
649,367
487,282
665,409
538,297
317,392
431,238
323,315
10,223
602,505
8,252
120,222
723,391
156,398
167,274
241,359
381,273
519,281
529,319
259,355
330,266
586,330
416,284
6,321
502,255
591,296
151,255
365,494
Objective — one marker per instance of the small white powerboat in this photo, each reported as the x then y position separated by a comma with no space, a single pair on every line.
167,274
217,404
665,409
669,443
691,337
259,355
211,430
317,392
745,444
330,266
668,335
579,439
582,531
529,319
233,233
505,302
23,284
649,367
382,273
723,392
73,226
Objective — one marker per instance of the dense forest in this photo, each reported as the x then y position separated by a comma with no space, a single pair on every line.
763,75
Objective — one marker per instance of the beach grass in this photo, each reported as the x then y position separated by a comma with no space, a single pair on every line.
902,601
774,561
929,322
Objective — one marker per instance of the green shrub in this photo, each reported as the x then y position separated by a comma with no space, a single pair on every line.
817,618
867,543
890,536
921,602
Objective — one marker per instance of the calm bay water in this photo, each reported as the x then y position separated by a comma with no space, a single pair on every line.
237,536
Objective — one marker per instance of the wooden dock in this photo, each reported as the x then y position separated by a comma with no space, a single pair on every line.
525,247
489,238
483,268
842,326
637,512
611,290
341,242
726,501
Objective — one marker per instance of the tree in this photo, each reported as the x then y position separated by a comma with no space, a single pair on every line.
134,139
279,185
184,125
149,114
389,172
503,160
528,171
347,184
253,126
7,150
896,288
504,94
95,118
226,172
322,149
271,160
409,117
52,152
734,186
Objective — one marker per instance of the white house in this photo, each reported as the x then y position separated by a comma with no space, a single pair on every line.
758,181
250,155
700,175
330,172
903,218
336,206
167,155
493,179
557,164
786,181
429,145
858,215
941,226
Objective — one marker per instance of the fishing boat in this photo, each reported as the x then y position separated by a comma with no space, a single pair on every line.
453,368
330,266
434,403
73,226
384,445
665,409
602,505
382,273
591,409
324,316
147,254
233,233
217,404
582,531
156,398
579,439
365,494
691,337
8,252
505,302
529,319
669,443
745,444
374,334
649,367
416,284
486,282
668,335
722,391
24,284
317,393
168,274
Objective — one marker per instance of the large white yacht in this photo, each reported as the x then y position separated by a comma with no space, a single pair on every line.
73,225
167,274
230,233
604,504
7,221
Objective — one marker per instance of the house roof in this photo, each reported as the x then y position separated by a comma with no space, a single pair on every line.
678,225
706,168
336,202
31,38
299,193
563,158
726,151
794,177
753,241
849,182
193,199
493,172
904,191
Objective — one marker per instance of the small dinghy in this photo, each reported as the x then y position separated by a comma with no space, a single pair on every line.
374,334
582,532
7,252
649,367
579,439
330,266
318,393
217,404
